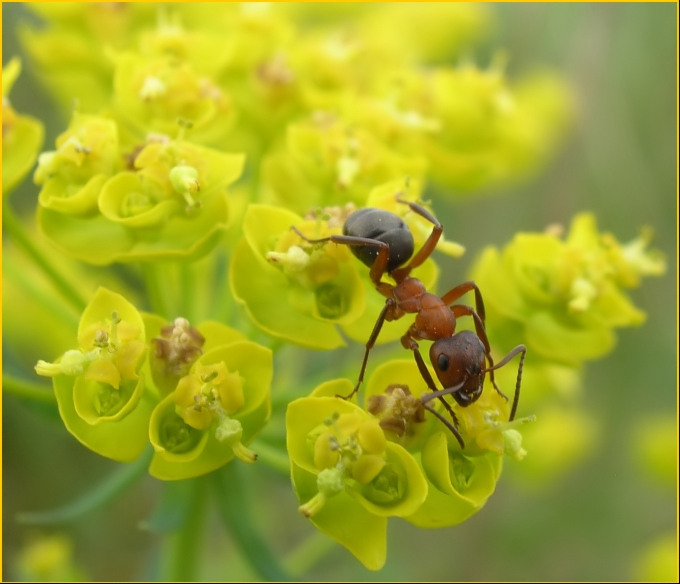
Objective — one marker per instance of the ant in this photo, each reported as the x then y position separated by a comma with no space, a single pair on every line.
384,243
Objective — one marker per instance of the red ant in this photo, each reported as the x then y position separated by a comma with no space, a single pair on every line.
382,241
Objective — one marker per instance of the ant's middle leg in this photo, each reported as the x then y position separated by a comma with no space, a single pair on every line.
458,291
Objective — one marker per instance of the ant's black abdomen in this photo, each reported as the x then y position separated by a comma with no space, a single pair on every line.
380,225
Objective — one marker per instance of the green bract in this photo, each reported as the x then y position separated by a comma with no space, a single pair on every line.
173,204
72,176
459,485
22,135
347,477
317,287
101,395
215,410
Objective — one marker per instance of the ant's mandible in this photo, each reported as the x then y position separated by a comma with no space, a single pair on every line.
382,241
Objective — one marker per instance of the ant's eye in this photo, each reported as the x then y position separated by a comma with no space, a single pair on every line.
443,362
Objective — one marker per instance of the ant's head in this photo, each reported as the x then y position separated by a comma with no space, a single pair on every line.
459,362
380,225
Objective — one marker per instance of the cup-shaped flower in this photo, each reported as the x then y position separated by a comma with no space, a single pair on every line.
170,178
385,197
564,294
22,135
460,480
86,155
291,289
459,485
213,413
101,395
322,282
177,345
348,478
172,205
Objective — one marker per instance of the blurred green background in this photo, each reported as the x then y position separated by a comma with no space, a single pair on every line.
591,524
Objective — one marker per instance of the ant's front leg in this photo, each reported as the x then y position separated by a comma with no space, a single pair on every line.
408,343
462,310
519,349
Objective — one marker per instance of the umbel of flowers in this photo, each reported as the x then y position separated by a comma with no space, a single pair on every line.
353,468
197,394
196,135
564,294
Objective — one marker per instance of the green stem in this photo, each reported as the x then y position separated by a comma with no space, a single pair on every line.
25,242
28,391
188,287
185,545
312,550
235,506
157,287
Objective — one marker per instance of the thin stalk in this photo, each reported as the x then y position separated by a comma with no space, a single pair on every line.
27,391
188,287
25,242
310,552
185,545
234,506
156,288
